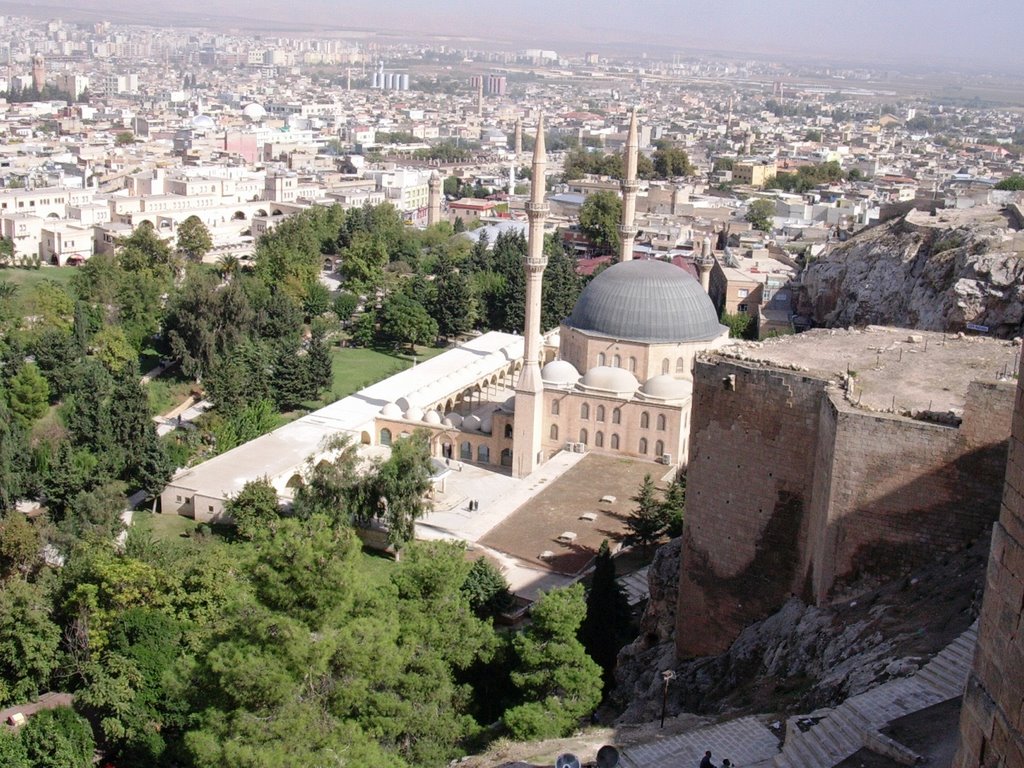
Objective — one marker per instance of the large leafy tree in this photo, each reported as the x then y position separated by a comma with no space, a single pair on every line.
759,214
194,239
29,640
562,285
58,738
401,486
558,682
404,321
28,395
670,161
452,307
255,509
600,215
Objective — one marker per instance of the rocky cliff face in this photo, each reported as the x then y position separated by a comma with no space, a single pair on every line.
801,657
933,273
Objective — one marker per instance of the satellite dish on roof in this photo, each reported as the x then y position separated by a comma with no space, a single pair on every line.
568,760
607,757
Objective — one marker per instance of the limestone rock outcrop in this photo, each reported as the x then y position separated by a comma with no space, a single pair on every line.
934,273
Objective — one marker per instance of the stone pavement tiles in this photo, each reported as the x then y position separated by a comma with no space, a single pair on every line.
745,741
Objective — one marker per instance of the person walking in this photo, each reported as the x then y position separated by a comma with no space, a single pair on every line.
706,762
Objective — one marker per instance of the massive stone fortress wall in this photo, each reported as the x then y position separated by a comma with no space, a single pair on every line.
792,490
992,717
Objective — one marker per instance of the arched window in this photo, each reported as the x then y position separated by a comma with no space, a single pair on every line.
661,422
506,457
680,365
466,451
554,432
632,365
616,415
645,420
584,411
643,445
599,439
508,431
295,481
659,448
554,407
615,442
483,455
617,361
385,436
583,436
600,413
664,365
600,358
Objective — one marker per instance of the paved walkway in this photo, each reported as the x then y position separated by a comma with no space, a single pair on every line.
498,496
745,741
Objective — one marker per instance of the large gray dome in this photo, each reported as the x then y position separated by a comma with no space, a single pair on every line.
650,301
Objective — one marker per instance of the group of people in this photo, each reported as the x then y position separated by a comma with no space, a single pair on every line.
706,762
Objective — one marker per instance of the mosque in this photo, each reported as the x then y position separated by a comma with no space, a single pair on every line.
614,377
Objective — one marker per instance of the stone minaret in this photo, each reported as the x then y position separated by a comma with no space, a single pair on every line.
704,264
518,145
627,230
480,98
529,420
38,72
433,199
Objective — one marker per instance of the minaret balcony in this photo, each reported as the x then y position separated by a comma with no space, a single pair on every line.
628,231
629,187
537,210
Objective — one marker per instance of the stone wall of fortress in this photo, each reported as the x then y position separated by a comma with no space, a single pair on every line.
992,716
793,491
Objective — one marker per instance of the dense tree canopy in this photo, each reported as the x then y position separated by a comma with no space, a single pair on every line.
599,220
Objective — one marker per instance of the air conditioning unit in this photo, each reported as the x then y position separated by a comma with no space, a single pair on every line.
570,447
666,458
580,447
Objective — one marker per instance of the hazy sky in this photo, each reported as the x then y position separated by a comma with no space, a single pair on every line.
986,32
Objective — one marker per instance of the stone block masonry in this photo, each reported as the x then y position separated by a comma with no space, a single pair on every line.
992,718
792,490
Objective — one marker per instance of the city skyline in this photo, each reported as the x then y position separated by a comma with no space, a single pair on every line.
925,33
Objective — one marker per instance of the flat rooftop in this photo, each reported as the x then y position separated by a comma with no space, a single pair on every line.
892,368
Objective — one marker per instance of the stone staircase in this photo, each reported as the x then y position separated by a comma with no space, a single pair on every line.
828,736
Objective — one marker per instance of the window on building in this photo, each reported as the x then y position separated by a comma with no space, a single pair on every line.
664,365
466,451
632,365
600,358
643,446
508,431
645,420
742,308
585,411
600,413
178,499
483,454
617,361
616,415
599,439
680,365
659,448
583,436
661,422
385,436
615,442
554,407
742,293
554,432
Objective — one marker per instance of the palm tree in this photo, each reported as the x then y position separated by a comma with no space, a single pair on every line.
228,266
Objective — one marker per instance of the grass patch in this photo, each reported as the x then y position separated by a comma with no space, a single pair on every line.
28,279
355,368
376,566
163,528
167,391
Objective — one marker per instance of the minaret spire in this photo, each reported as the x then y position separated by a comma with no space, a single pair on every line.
529,423
627,230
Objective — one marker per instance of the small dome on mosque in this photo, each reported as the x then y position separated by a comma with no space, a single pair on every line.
446,422
432,417
559,373
487,423
391,411
254,112
667,387
509,405
609,379
454,418
414,414
647,301
203,122
471,423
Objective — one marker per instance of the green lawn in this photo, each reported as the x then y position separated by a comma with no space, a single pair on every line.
167,391
376,566
27,279
163,528
355,368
